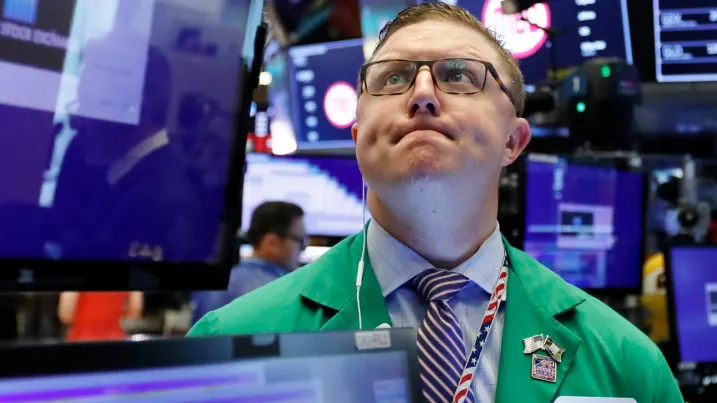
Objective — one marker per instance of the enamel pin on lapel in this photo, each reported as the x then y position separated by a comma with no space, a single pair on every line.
553,349
544,368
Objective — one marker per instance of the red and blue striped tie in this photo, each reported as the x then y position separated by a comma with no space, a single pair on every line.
441,350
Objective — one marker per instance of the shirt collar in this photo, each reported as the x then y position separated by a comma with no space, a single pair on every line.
395,263
120,168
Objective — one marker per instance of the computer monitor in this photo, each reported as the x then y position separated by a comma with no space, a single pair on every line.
122,122
377,366
328,189
584,29
585,222
324,92
692,292
685,40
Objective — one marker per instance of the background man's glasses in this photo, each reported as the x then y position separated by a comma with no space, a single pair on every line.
452,76
303,241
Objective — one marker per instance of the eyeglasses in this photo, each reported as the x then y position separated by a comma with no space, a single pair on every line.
452,76
302,240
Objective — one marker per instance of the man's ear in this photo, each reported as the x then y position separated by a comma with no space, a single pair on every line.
270,239
517,141
354,132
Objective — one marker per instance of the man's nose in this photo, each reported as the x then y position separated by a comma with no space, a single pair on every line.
424,100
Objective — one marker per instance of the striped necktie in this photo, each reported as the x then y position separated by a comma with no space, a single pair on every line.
441,350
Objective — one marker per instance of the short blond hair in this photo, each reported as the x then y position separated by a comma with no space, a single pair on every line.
446,12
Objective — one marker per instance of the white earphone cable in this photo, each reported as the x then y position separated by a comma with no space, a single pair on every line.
359,271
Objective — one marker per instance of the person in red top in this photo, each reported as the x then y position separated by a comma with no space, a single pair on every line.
95,316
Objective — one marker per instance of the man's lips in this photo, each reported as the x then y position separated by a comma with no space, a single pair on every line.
425,133
418,127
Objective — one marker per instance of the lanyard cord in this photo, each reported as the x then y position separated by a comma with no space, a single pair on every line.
471,365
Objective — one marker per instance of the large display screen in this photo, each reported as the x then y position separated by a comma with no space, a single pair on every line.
585,223
685,40
324,92
116,125
265,369
693,279
584,29
340,378
328,189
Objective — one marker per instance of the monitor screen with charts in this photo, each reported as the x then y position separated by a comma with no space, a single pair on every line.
117,125
324,367
584,28
585,222
685,40
328,189
692,289
324,92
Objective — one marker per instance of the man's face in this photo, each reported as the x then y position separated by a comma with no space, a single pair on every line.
293,244
428,133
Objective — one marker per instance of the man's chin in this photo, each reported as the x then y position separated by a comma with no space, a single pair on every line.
421,165
409,175
403,165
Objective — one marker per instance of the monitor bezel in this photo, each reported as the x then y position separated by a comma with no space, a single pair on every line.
33,274
619,165
78,358
709,367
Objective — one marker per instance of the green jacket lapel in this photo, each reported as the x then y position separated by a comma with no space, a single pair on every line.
535,298
335,288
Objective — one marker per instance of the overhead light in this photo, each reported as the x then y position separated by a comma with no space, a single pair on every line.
283,141
265,78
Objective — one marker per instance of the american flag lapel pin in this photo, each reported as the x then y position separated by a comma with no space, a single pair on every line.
533,344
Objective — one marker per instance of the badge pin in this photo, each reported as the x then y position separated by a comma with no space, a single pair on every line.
553,349
544,368
533,344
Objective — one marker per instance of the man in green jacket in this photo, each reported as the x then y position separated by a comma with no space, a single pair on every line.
437,120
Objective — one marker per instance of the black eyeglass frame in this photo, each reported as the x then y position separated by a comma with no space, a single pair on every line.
429,63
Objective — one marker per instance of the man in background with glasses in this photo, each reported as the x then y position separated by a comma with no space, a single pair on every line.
438,119
278,236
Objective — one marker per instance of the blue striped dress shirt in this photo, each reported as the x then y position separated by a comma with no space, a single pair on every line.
395,265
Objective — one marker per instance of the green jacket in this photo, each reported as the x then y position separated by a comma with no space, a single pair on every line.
604,355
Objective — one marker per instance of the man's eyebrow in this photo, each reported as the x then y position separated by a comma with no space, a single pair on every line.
462,53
